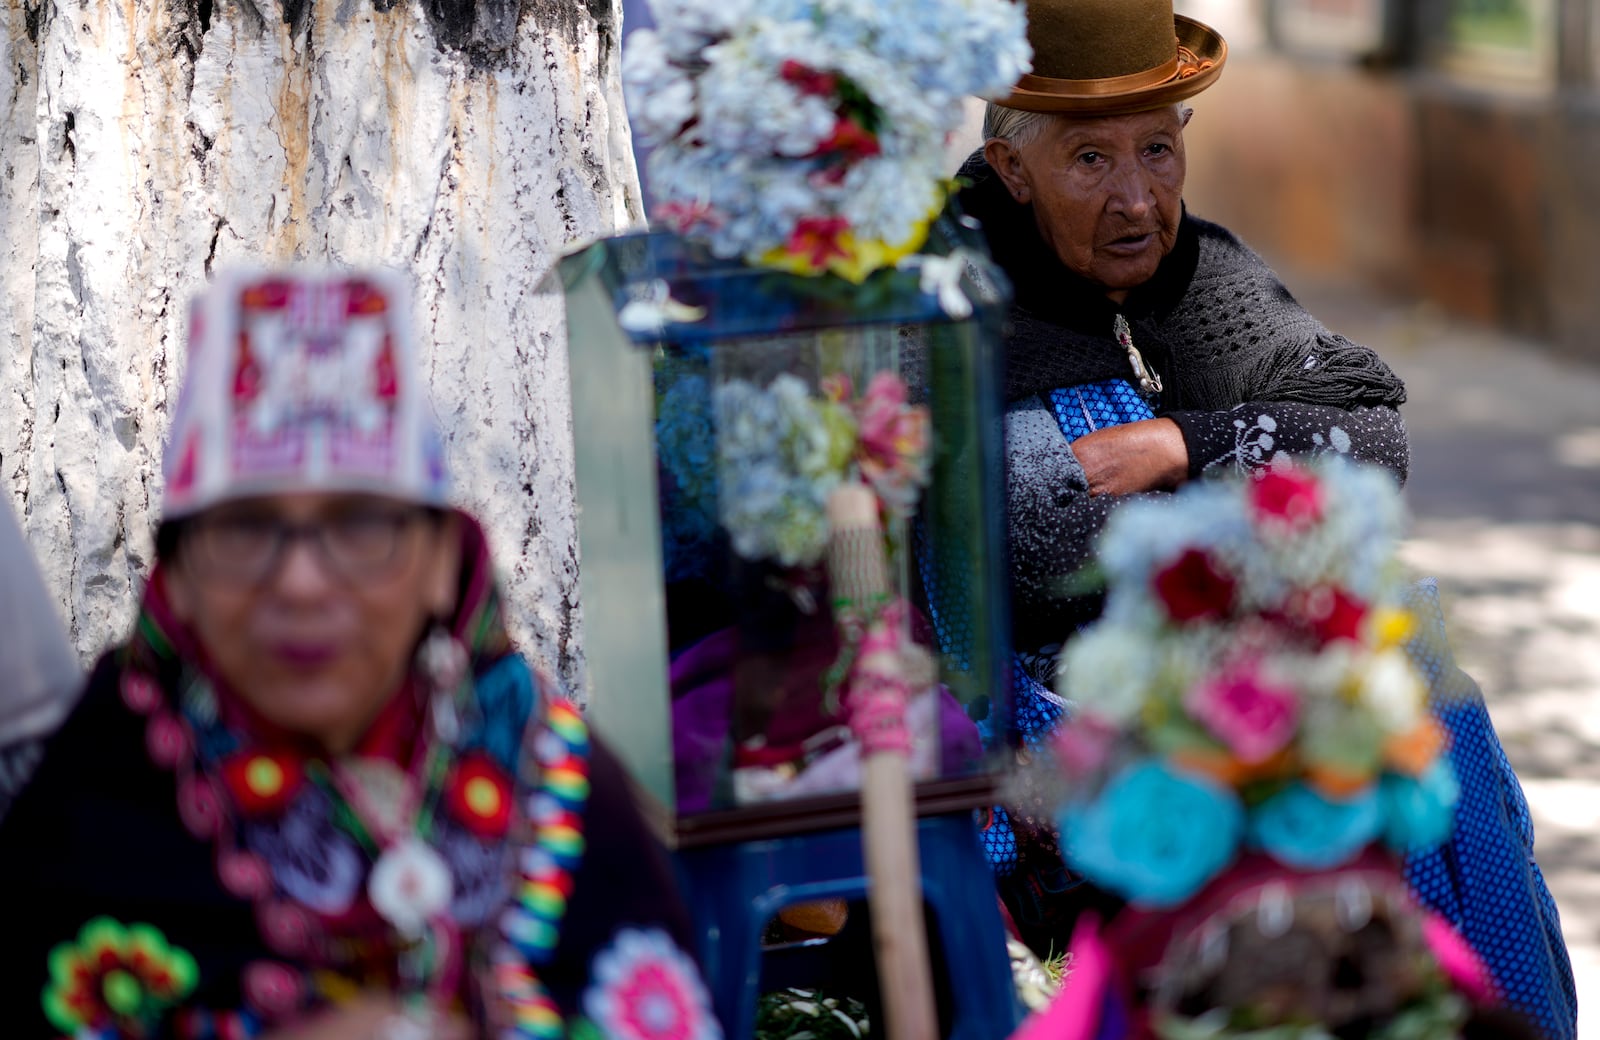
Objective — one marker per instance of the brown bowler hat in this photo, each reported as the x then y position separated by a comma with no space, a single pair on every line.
1112,57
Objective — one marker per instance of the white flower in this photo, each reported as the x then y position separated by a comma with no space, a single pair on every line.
1391,687
1107,671
661,98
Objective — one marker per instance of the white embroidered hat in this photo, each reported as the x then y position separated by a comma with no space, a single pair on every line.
302,380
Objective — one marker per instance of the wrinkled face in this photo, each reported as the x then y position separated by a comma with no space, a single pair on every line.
309,606
1106,191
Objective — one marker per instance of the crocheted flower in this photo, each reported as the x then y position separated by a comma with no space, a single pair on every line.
1082,746
262,783
1419,813
117,979
1341,743
478,793
1254,717
1107,672
1286,496
1393,691
410,885
1301,828
1415,750
643,987
1194,587
1154,834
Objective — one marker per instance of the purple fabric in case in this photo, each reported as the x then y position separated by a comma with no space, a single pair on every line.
702,708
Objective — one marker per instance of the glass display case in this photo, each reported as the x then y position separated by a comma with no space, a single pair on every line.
776,476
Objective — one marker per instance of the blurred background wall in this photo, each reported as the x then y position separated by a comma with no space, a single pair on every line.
1443,148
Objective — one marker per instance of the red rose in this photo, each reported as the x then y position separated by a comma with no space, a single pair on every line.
1328,613
1287,495
262,782
1194,587
479,795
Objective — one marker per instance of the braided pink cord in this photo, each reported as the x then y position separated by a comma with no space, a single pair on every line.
877,697
878,713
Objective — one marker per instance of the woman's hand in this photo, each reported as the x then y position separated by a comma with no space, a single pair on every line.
1148,455
376,1017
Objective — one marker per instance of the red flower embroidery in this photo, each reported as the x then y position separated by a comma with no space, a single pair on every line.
116,979
479,795
1286,495
1194,587
262,782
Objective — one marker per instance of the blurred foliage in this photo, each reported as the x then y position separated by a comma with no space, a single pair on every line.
803,1014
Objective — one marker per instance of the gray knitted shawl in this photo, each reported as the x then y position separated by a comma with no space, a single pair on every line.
1249,375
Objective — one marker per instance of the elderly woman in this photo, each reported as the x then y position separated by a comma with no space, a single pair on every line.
1149,348
317,793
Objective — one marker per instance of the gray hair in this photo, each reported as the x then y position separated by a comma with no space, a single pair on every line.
1013,124
1021,128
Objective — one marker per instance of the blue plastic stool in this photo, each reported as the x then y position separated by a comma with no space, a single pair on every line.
735,889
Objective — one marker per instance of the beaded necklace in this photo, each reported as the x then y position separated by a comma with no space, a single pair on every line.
531,928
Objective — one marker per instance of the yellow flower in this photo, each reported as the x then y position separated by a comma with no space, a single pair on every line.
1392,626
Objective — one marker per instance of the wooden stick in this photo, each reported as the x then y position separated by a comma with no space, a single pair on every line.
859,575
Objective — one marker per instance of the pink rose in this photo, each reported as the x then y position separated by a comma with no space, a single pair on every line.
1253,718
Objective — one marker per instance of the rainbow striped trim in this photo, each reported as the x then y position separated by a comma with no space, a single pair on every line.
531,927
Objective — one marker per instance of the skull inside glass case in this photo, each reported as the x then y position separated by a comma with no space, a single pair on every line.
777,476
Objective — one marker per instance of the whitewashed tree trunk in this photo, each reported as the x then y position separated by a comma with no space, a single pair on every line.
145,142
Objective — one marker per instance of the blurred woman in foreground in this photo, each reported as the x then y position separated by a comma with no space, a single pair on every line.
317,793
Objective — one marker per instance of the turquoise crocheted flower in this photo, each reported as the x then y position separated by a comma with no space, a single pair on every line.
1301,828
1155,835
1419,813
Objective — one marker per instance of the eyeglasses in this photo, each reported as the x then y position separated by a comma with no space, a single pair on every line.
247,547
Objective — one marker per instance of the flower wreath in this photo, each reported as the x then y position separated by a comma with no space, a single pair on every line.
808,135
1247,689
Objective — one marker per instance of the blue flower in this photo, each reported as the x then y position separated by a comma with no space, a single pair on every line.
1300,828
1419,813
1154,835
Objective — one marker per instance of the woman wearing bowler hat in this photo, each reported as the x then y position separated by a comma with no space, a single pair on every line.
1149,348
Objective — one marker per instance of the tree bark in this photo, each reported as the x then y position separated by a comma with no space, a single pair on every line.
145,142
